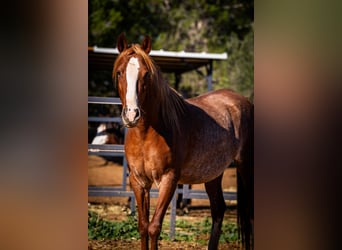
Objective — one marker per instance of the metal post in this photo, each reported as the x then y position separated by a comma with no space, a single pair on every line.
177,81
124,175
132,205
210,75
173,216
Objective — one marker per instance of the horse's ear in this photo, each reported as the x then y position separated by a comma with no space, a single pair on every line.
122,42
146,44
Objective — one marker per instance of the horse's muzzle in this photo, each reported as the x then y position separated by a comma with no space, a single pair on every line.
130,116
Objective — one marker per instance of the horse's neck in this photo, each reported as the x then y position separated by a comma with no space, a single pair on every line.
156,120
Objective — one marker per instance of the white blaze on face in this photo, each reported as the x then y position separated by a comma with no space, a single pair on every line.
132,71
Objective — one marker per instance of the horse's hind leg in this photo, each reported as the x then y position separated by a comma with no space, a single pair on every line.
217,207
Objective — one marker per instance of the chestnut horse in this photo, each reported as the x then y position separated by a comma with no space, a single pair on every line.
171,140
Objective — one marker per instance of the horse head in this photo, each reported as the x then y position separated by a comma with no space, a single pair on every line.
131,73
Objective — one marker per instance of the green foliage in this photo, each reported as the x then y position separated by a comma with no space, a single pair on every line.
237,72
108,18
230,232
100,229
188,25
200,231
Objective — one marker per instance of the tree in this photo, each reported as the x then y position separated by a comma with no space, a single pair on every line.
238,71
108,18
193,25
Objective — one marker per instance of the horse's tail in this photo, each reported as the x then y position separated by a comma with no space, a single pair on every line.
245,186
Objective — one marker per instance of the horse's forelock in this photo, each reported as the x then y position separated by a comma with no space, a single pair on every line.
130,51
147,59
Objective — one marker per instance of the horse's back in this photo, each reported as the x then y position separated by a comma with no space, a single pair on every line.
226,107
220,100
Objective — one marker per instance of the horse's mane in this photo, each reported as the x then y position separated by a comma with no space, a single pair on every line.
171,103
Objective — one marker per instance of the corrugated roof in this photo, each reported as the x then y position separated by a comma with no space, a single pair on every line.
169,61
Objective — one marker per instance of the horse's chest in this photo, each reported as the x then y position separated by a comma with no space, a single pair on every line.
148,161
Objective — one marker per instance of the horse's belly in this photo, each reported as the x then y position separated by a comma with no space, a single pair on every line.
211,152
204,170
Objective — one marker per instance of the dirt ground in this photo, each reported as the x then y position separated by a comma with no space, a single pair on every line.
119,212
106,173
163,245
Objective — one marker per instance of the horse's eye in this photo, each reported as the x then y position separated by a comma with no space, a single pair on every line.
118,74
147,75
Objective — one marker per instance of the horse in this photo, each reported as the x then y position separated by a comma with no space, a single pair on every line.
109,133
173,140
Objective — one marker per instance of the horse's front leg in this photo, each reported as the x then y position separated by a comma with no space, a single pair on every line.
167,187
142,196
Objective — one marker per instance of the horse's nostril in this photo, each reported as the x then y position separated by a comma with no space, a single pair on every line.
137,111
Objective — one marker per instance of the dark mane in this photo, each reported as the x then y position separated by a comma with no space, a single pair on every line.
172,104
